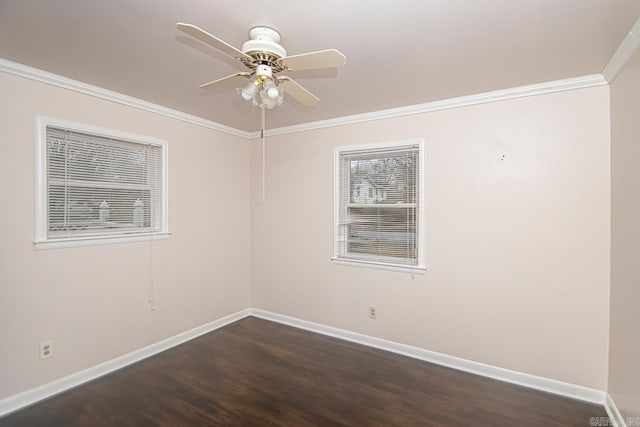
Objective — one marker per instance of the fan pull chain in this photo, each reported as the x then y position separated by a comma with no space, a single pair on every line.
263,136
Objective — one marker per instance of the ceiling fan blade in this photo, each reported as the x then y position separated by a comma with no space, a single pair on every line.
297,92
329,58
222,46
234,78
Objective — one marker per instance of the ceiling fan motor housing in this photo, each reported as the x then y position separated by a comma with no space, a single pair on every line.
264,39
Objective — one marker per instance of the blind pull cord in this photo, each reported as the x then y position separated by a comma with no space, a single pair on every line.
151,284
66,181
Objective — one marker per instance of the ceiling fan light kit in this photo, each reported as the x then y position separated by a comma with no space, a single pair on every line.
263,82
266,57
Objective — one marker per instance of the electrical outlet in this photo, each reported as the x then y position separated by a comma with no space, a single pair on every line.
46,349
373,311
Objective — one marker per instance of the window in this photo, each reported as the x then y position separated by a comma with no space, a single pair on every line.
379,206
98,186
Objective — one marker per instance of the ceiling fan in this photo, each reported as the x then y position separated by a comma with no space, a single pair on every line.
265,58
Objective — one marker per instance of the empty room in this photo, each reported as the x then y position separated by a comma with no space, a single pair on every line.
320,213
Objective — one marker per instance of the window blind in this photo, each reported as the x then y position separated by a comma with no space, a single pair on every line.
378,205
98,185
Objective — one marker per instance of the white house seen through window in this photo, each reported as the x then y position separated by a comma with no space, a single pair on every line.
379,204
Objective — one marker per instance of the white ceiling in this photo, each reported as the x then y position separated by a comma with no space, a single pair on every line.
398,52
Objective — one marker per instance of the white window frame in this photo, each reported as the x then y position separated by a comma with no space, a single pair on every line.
42,241
421,225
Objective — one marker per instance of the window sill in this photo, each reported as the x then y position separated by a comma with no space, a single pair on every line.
71,242
380,265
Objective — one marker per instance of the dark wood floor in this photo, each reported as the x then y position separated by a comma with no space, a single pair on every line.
258,373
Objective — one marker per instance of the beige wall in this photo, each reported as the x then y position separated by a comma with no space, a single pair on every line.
92,301
624,352
517,251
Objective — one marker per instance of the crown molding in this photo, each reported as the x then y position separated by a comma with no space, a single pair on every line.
624,52
98,92
463,101
446,104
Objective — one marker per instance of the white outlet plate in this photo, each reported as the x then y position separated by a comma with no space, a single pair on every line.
46,349
373,311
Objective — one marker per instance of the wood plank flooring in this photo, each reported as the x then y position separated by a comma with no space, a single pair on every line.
258,373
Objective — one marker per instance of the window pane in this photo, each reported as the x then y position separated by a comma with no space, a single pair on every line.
379,205
383,179
83,157
101,185
91,209
383,232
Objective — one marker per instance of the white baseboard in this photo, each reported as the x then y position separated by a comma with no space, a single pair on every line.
29,397
527,380
612,411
